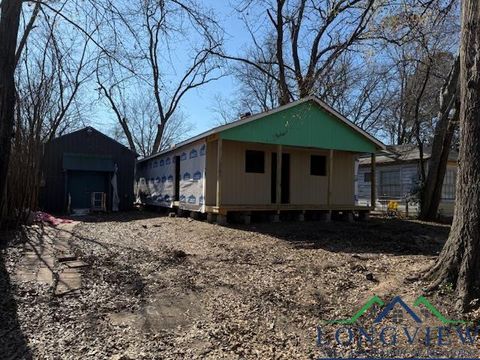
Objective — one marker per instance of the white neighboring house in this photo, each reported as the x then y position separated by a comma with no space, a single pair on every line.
397,178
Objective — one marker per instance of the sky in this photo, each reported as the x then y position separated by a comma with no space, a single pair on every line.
197,105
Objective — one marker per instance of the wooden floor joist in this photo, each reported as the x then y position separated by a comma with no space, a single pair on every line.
224,209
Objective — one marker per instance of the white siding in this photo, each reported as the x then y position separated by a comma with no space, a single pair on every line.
408,177
409,174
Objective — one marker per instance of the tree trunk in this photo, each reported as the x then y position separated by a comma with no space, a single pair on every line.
442,140
459,261
158,138
436,197
418,137
284,97
9,23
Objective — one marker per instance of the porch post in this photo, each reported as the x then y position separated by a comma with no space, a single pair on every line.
219,172
329,177
279,177
373,182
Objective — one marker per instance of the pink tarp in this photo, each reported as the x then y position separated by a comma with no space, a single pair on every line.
50,219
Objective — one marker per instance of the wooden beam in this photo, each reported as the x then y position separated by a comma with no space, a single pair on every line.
279,177
329,177
212,137
224,209
219,173
373,182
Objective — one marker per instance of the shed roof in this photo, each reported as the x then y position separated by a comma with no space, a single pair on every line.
88,130
334,131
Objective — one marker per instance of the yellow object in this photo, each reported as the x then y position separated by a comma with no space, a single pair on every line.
392,207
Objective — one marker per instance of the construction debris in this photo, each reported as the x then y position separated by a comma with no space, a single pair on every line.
40,216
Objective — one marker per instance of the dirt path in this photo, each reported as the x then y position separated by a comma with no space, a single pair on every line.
173,288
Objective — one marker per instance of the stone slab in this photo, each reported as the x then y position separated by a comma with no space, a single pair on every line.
24,275
76,264
68,280
45,275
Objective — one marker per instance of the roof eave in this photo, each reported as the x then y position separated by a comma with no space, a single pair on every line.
378,144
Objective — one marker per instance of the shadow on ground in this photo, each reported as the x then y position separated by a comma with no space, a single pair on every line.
379,235
122,216
13,343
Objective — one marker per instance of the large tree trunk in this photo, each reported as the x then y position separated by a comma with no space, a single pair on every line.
158,138
431,213
459,262
9,22
442,140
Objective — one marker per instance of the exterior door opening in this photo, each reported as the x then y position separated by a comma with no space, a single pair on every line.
285,179
177,178
82,184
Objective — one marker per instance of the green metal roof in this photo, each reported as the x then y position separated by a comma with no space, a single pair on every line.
306,124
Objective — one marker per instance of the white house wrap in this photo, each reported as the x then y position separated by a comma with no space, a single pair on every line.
160,179
192,177
157,178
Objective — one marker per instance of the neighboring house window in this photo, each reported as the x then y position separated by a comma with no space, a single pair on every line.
367,177
254,161
318,165
390,183
448,188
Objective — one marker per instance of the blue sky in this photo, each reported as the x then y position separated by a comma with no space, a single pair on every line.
197,105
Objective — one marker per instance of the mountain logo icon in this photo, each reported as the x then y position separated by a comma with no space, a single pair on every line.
396,307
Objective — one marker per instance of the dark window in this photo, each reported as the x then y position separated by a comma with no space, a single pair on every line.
318,165
367,177
390,184
254,161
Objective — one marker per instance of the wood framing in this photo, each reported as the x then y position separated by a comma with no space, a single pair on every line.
330,175
278,184
373,182
219,172
284,207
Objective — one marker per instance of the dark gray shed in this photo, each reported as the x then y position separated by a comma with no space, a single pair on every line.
83,162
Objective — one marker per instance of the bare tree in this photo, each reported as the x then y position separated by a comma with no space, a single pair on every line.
49,77
141,118
258,91
308,38
152,30
9,25
428,52
359,89
114,91
459,261
336,60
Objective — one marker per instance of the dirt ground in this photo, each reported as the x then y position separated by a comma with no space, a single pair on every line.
174,288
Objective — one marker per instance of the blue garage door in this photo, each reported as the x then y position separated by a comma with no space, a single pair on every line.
81,184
